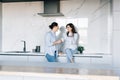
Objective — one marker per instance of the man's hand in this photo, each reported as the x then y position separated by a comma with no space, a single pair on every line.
57,42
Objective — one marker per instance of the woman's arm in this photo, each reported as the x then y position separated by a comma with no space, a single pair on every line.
75,39
61,40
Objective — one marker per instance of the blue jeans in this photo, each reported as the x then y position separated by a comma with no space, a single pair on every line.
69,53
51,58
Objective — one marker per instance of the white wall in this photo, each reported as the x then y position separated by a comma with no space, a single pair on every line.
0,26
21,22
116,33
99,28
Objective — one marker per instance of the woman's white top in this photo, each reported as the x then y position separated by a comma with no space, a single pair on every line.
70,42
49,39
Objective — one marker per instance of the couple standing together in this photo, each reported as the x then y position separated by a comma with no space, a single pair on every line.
70,40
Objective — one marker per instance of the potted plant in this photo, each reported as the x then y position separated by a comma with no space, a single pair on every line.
81,49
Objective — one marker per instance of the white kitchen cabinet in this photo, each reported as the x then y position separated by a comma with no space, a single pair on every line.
37,59
62,59
5,77
33,78
13,58
43,78
83,60
105,59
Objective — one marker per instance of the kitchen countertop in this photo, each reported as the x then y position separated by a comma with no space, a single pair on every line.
99,55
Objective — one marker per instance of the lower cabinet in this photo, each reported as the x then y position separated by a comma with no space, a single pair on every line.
3,77
62,59
37,59
13,58
28,78
104,59
44,78
23,58
83,60
33,78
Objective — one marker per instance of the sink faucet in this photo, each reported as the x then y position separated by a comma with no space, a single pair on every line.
24,48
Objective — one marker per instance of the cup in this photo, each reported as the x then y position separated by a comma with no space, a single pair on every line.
37,48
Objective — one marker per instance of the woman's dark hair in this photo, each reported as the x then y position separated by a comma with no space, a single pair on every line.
53,25
73,28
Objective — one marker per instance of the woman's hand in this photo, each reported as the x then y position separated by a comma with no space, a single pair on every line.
60,53
57,42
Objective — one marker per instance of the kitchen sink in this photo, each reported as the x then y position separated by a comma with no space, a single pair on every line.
17,52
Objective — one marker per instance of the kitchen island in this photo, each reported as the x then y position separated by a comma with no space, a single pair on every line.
85,58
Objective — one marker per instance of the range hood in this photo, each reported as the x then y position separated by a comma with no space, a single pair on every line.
51,8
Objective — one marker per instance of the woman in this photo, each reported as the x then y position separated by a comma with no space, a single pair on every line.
70,41
51,43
